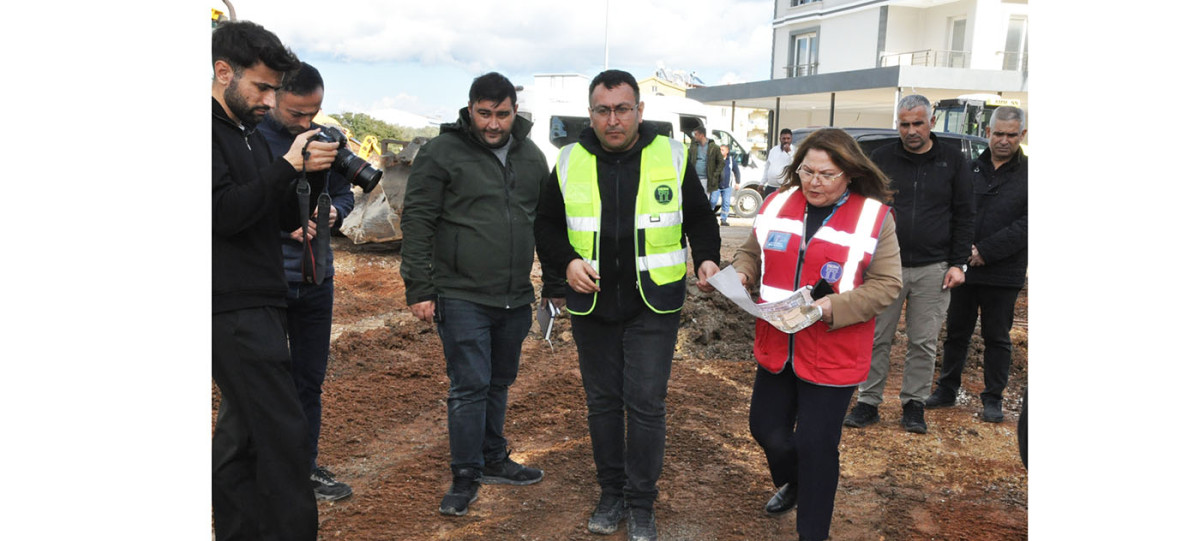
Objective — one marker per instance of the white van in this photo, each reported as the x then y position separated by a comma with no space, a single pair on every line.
558,122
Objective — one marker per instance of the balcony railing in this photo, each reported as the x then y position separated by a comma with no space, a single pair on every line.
927,57
800,70
1014,61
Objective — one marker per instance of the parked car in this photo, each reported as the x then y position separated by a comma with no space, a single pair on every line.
747,200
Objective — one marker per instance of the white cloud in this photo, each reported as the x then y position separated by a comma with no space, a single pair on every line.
710,37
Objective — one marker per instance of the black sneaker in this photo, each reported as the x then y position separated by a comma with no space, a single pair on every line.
993,412
641,524
608,514
862,415
507,472
783,501
724,222
941,398
325,487
463,492
914,417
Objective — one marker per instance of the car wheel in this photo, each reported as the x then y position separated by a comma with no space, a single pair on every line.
746,203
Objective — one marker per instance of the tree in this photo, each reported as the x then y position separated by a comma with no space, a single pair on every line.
362,125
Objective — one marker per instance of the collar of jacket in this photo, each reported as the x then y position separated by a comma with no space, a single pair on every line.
912,156
219,114
985,160
591,142
462,126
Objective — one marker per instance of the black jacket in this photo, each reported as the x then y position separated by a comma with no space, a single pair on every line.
618,175
1001,221
468,219
932,201
251,205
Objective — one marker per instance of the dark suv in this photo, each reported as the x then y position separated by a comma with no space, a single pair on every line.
749,197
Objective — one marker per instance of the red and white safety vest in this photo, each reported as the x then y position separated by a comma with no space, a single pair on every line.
839,252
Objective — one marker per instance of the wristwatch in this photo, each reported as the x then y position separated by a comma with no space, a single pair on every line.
963,267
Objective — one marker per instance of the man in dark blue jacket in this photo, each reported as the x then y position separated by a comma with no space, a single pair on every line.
260,484
999,256
310,287
932,200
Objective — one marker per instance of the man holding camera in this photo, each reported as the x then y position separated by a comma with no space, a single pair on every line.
310,287
466,257
260,473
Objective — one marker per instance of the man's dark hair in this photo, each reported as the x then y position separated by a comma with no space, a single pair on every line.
612,79
243,44
492,87
785,131
304,81
700,129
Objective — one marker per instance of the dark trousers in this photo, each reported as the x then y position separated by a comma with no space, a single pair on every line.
482,345
799,426
260,485
625,367
994,307
309,320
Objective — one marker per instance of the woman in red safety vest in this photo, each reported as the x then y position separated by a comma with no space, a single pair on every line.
826,228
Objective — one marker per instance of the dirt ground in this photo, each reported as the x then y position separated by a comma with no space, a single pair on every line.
385,414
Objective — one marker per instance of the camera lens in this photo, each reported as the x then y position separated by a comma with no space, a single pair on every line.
357,170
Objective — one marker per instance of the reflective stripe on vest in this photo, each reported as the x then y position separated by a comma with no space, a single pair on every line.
658,218
860,241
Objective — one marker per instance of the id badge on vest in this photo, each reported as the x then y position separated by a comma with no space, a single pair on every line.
777,241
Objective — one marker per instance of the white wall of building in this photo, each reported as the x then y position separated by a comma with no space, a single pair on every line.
849,42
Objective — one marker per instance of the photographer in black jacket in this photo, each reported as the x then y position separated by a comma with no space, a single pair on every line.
260,468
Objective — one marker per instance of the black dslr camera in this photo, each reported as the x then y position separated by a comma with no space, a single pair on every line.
355,169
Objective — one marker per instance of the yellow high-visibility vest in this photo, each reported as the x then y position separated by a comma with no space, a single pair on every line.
661,257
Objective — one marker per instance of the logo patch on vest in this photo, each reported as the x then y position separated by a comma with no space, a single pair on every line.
778,241
831,272
663,194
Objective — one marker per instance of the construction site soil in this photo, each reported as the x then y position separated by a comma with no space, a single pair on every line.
384,433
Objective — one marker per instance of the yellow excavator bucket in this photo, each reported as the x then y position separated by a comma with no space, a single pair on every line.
369,146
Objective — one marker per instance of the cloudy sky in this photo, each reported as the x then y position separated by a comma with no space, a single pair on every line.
420,57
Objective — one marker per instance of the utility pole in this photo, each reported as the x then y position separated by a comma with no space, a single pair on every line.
606,3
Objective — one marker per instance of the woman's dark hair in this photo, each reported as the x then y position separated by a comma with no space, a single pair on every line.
865,177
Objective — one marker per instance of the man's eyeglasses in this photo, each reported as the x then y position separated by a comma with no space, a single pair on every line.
622,110
807,175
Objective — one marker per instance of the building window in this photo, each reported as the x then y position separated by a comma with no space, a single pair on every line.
801,2
1016,45
957,54
804,55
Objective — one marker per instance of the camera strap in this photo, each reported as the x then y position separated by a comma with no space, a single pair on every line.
321,250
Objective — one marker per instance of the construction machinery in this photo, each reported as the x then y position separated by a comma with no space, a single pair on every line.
970,113
376,215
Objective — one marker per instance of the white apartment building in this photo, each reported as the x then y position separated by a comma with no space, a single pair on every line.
847,62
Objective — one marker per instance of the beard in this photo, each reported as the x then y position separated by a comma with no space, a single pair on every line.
238,105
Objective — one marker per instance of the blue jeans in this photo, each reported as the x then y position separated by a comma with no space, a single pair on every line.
725,195
482,345
625,367
309,320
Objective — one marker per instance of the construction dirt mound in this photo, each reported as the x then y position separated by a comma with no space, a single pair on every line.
384,433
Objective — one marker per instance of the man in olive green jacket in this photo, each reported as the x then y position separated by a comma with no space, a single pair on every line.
710,174
466,256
